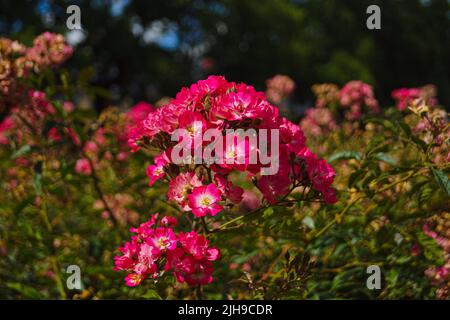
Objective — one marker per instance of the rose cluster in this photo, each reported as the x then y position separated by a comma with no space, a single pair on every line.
405,96
28,122
327,95
433,128
157,249
279,88
320,119
438,228
26,109
218,104
48,50
17,62
318,122
354,96
333,103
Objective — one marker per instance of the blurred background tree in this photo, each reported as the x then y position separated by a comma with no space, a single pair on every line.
143,50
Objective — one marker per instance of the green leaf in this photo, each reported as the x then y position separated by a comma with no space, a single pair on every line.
26,291
267,213
385,158
442,180
151,295
425,194
343,279
23,204
392,277
309,222
403,259
22,151
57,105
431,250
420,143
384,122
380,148
406,129
388,124
373,143
354,177
345,155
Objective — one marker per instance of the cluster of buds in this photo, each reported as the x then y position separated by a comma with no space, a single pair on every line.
327,95
354,96
12,67
318,122
279,88
48,50
18,62
405,96
433,128
25,108
28,122
438,228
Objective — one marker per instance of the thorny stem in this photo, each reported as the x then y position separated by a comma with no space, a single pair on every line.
205,226
336,218
59,283
44,214
274,263
198,292
222,226
99,190
54,262
398,181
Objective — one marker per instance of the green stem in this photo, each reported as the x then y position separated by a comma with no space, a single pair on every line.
221,227
59,283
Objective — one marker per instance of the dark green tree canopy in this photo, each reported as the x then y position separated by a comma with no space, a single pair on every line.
142,50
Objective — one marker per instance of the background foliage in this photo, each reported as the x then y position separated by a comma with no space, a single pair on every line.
143,50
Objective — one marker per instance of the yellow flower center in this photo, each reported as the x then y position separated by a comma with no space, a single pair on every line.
191,129
162,242
206,201
231,154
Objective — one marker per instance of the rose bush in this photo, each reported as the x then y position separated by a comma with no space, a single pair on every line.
356,185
